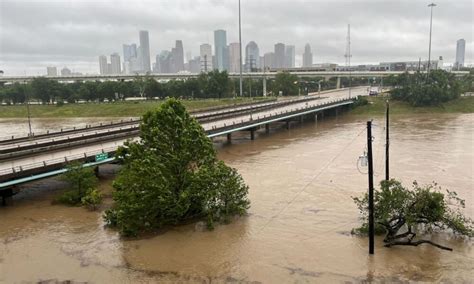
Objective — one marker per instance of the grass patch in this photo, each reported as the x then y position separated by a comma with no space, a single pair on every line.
117,109
376,106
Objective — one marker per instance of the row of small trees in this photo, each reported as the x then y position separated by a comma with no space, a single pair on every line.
214,84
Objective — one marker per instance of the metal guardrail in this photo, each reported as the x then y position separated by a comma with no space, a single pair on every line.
246,124
8,139
65,159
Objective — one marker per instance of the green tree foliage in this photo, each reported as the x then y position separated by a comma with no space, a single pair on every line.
82,186
215,84
286,83
402,213
172,175
420,90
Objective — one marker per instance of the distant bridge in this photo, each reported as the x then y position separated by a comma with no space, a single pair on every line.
183,76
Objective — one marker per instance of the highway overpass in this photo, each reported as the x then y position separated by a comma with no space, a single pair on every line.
183,76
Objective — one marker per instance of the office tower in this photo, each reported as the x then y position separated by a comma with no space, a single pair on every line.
144,51
440,63
205,52
460,52
269,60
307,56
220,45
290,56
279,60
52,71
252,57
189,56
115,64
194,65
165,62
103,65
234,57
178,56
65,72
129,56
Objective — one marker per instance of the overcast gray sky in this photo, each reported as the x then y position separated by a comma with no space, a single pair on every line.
36,34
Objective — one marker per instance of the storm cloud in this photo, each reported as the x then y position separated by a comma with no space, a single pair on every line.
36,34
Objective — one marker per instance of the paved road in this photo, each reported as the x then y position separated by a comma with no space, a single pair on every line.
60,154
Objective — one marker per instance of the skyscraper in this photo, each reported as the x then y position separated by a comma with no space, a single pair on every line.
234,57
460,52
220,45
52,71
178,56
66,71
205,52
279,60
129,51
307,56
290,56
269,60
252,57
115,64
103,65
144,51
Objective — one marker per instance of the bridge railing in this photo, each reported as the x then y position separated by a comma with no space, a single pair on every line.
254,121
6,139
55,161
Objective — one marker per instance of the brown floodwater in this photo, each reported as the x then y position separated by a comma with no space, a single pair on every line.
297,229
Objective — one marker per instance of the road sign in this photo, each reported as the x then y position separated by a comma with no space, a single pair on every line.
101,157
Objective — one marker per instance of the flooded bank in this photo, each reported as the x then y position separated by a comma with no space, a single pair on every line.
298,227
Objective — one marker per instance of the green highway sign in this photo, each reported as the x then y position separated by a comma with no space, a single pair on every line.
101,157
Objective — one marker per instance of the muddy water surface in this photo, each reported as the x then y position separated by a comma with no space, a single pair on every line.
297,230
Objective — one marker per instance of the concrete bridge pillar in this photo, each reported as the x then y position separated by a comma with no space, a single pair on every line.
301,119
264,86
229,137
338,83
252,134
96,171
6,195
288,124
267,128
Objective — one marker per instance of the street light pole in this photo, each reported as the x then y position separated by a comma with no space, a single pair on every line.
240,47
431,24
30,134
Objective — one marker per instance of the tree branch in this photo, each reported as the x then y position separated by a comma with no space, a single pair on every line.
417,243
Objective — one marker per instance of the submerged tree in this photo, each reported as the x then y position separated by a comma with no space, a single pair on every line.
402,214
172,175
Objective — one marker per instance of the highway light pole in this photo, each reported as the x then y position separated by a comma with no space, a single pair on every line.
240,47
431,25
27,97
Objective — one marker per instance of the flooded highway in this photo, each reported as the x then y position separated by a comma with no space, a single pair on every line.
298,227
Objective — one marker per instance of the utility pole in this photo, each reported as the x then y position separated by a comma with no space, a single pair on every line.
240,47
371,187
348,56
387,144
429,49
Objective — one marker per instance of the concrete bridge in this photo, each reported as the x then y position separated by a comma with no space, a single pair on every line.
183,76
24,159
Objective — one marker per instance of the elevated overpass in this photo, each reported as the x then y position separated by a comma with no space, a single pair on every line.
183,76
47,155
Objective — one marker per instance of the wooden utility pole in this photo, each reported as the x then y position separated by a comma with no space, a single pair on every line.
371,187
387,145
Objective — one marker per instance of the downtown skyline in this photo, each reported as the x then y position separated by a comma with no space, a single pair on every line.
404,27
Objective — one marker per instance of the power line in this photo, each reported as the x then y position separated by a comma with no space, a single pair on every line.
311,181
